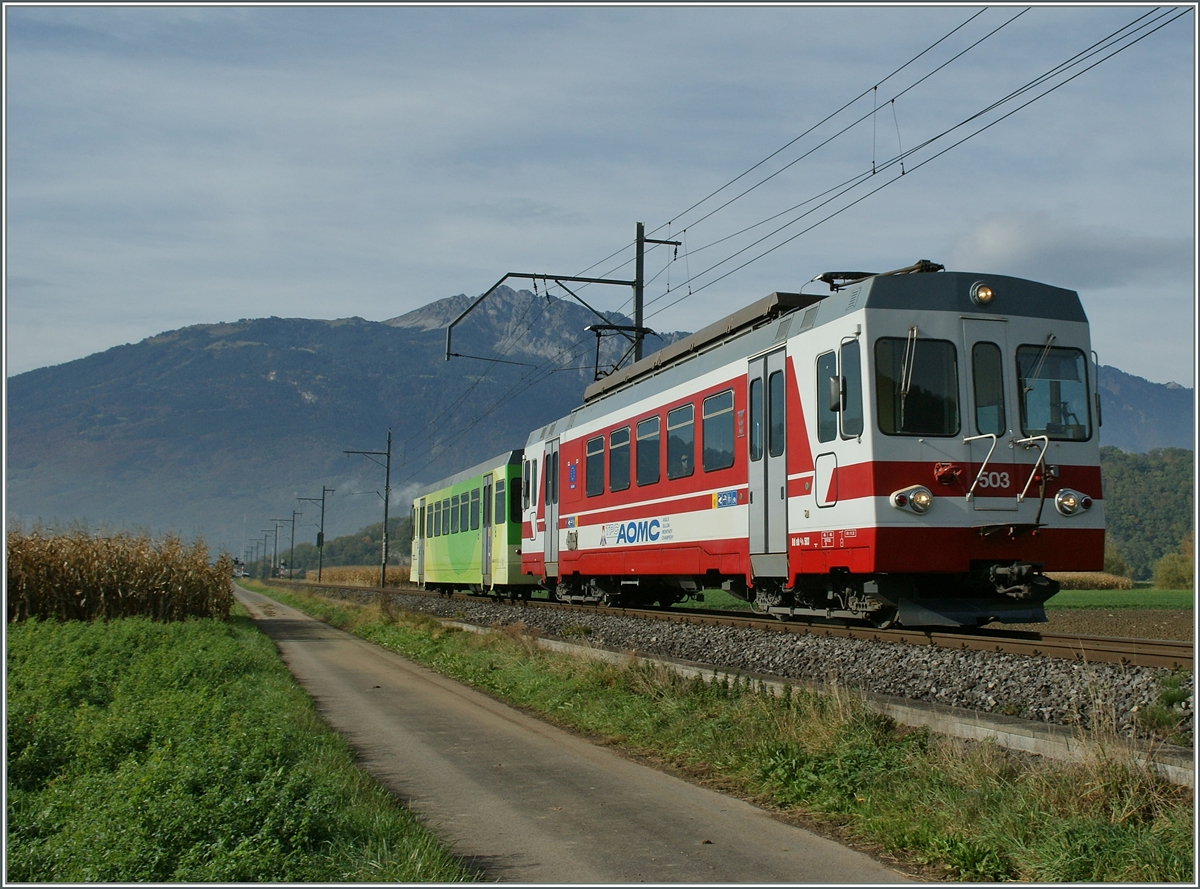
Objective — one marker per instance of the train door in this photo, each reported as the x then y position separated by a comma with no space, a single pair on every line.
993,478
485,556
419,537
550,496
767,445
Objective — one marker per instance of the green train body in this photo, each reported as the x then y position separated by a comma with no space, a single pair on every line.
467,531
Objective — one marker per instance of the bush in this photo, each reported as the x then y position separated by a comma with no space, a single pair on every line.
1175,571
1113,563
76,576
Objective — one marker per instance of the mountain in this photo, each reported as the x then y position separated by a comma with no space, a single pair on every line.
192,429
214,430
1140,416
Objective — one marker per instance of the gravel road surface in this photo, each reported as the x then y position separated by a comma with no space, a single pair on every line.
526,802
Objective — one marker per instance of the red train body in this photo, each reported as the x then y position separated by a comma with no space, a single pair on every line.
918,446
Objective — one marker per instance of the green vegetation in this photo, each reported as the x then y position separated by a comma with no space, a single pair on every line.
363,547
142,751
971,812
1176,571
1132,599
77,576
1147,503
1165,714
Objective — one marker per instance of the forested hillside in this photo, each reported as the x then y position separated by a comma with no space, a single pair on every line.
1147,503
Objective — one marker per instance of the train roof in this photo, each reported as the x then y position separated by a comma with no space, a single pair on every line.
508,458
901,290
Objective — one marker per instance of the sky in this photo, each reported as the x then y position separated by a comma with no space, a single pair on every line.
178,165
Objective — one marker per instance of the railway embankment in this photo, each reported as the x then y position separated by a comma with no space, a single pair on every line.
1102,699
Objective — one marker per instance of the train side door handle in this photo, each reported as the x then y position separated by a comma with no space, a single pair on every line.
782,494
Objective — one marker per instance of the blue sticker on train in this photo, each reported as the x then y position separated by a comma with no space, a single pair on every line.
725,498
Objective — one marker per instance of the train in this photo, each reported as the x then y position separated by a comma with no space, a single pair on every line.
917,447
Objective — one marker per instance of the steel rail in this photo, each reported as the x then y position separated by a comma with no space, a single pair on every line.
1168,653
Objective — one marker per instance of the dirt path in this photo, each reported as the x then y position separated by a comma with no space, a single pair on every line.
526,802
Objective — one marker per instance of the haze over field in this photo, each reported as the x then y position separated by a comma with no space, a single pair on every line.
169,166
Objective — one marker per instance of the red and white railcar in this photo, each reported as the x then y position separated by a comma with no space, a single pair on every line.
917,446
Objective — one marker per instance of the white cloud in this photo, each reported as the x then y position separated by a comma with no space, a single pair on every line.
1062,251
175,166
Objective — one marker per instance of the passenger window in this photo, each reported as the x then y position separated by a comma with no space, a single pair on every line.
514,509
454,514
593,467
826,414
717,413
756,419
445,517
916,386
681,441
618,459
1054,393
500,500
475,509
647,451
429,514
777,431
987,378
436,516
852,414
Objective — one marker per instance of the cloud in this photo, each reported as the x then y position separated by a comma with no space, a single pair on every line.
1061,251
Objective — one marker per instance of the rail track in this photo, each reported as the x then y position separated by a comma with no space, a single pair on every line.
1171,654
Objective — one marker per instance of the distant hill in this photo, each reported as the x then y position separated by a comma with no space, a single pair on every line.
193,429
1140,416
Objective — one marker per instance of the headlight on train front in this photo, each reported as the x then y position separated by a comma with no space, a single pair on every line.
1069,502
917,498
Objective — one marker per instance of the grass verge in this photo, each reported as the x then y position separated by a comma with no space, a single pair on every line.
972,812
1143,600
140,751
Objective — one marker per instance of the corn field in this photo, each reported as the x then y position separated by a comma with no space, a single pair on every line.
1091,580
362,575
77,576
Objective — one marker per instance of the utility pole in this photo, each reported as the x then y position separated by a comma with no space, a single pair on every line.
280,522
639,283
320,533
387,492
275,532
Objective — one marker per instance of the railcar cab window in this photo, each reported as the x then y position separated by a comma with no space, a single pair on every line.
826,415
593,467
717,411
988,382
647,451
618,459
499,513
852,407
916,386
1054,393
756,419
681,442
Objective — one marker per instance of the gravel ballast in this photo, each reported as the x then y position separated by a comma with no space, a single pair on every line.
1052,690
